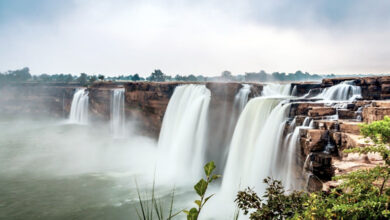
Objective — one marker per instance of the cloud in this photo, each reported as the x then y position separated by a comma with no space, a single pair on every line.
196,37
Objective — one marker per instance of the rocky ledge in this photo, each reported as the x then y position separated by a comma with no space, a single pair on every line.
332,130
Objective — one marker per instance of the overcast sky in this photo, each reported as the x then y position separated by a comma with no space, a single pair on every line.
116,37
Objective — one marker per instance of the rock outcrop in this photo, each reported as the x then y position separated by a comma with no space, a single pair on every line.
34,98
334,128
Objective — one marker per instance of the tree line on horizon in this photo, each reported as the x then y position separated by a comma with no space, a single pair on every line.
24,75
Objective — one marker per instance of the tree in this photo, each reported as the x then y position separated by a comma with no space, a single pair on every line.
136,77
101,77
227,75
68,78
82,79
192,78
92,79
157,76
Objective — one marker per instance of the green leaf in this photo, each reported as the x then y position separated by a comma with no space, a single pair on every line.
205,200
214,177
198,202
201,187
186,212
192,214
209,167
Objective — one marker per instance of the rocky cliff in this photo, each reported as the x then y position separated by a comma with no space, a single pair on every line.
333,127
147,101
34,98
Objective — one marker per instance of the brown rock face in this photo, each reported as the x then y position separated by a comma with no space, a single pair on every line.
303,88
147,102
315,140
321,111
371,114
346,114
99,103
303,108
350,127
314,184
52,99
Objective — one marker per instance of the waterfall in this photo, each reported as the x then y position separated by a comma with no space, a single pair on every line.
344,91
117,112
289,155
79,107
256,134
241,98
276,90
183,133
289,177
306,121
329,148
294,91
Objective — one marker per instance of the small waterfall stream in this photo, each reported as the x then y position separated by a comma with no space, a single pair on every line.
344,91
241,98
117,112
79,108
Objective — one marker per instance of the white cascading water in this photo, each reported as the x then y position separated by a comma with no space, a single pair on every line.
344,91
183,133
241,98
79,108
117,112
256,136
290,155
276,90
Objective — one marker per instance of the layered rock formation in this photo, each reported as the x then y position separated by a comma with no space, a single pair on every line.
147,101
33,98
334,128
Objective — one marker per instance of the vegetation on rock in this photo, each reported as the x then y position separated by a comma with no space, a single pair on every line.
362,194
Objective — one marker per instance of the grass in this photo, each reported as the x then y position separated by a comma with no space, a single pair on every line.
152,208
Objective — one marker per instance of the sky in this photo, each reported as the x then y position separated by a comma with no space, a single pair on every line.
115,37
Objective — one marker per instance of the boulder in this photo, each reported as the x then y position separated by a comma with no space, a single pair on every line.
322,165
326,124
321,111
346,114
314,183
350,127
302,108
371,114
313,140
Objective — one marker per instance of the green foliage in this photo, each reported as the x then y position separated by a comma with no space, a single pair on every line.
151,208
82,79
276,204
101,77
136,77
200,189
92,79
378,131
20,75
157,76
362,194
